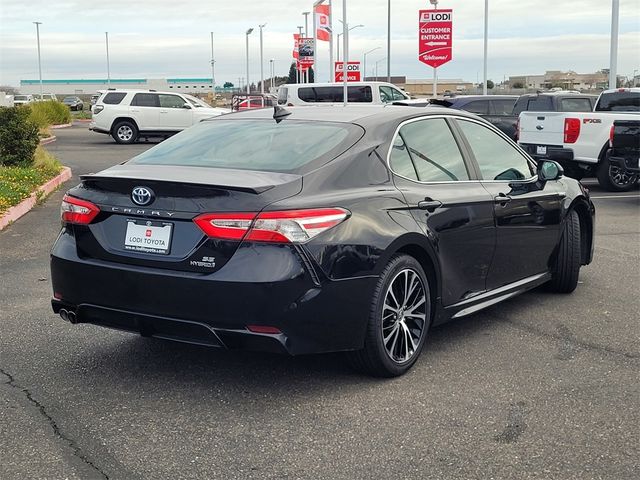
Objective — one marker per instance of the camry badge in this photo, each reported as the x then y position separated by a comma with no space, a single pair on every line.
142,196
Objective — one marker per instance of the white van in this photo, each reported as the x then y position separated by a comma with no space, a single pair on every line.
368,93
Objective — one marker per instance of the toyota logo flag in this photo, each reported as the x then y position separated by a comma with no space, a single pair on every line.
323,22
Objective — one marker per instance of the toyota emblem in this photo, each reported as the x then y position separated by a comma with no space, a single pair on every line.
142,196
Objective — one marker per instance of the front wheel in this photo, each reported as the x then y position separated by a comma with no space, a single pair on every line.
565,272
613,178
125,132
399,319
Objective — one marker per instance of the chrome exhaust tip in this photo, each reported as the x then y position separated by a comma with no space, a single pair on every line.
72,317
64,314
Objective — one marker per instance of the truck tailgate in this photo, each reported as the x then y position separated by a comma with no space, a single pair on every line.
542,128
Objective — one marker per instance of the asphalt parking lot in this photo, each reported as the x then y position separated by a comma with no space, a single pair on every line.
542,386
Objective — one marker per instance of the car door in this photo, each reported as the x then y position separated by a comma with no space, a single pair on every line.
145,110
527,211
450,205
173,114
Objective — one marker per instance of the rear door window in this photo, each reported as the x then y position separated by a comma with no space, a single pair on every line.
575,105
113,98
541,103
480,107
145,100
400,160
434,151
502,106
171,101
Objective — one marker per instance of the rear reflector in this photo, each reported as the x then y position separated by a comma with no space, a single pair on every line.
290,226
264,329
571,130
77,211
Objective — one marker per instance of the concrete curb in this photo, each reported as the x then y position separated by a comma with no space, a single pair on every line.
64,125
82,120
46,141
14,213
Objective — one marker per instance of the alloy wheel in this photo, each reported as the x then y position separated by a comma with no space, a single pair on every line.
404,315
125,133
620,177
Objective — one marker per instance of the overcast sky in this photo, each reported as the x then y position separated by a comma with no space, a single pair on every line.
162,38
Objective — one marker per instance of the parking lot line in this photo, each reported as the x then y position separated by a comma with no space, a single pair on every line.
615,196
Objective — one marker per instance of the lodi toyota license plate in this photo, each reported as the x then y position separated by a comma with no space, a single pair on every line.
149,237
541,149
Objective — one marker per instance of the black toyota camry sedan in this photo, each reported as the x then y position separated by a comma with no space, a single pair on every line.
318,229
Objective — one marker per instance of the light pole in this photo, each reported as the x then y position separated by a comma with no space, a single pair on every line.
486,43
247,52
39,62
306,35
261,60
339,35
271,68
613,56
364,64
345,62
299,70
377,62
435,70
388,41
213,73
106,38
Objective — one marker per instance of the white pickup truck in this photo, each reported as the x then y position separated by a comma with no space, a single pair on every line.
579,141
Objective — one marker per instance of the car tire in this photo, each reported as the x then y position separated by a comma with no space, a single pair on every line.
396,330
613,178
125,132
566,270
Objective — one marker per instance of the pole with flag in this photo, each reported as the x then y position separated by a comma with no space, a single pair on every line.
322,30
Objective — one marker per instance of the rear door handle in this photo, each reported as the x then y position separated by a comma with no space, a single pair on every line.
429,204
502,199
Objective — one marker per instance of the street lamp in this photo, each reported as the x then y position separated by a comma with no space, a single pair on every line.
271,69
106,37
364,69
486,43
299,70
261,61
247,53
613,55
377,62
338,56
389,41
213,73
37,24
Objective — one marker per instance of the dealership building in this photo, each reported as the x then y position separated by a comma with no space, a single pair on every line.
89,86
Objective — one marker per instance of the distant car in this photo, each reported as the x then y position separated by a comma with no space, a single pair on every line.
74,103
96,96
248,102
127,115
493,108
22,99
45,97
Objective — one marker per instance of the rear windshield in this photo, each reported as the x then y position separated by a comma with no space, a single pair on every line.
282,96
619,102
253,144
335,94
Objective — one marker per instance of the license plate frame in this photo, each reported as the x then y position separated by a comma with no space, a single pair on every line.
541,149
146,236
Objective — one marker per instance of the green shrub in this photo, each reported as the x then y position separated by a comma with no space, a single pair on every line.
55,113
18,137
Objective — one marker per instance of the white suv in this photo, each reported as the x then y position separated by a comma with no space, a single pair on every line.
127,115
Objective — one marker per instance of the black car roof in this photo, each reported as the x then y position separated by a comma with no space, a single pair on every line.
361,115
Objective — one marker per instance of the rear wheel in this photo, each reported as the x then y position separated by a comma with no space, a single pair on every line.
565,272
613,178
399,320
125,131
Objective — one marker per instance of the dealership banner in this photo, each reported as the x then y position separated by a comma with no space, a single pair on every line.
435,34
296,36
305,51
323,22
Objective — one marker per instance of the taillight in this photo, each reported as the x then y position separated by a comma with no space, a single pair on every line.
289,226
79,212
611,137
97,109
571,130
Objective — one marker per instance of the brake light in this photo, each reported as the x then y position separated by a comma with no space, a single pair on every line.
290,226
97,109
571,130
77,211
611,137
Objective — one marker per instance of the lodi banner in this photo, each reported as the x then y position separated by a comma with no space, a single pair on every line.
353,69
435,37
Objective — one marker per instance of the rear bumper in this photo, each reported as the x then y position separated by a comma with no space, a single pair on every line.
313,314
628,164
553,152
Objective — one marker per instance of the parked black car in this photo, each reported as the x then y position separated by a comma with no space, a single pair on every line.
74,103
316,230
496,109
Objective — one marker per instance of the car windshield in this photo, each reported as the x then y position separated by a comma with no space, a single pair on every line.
254,144
196,102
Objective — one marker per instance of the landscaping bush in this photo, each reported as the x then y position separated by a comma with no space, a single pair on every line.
18,137
55,113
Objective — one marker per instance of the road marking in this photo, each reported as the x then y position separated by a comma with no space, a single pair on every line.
616,196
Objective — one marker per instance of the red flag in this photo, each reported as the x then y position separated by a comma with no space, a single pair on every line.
295,45
323,22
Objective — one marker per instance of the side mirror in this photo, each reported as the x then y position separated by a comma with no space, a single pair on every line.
187,106
549,170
